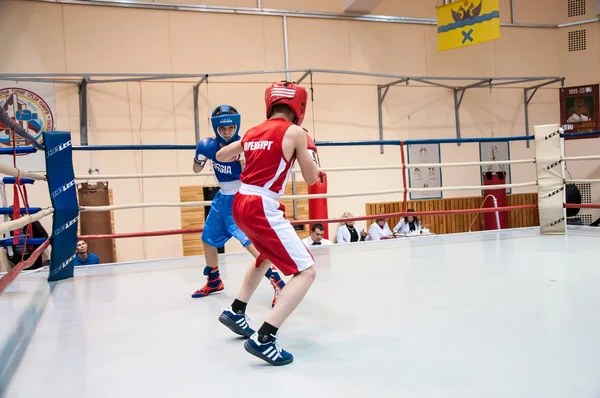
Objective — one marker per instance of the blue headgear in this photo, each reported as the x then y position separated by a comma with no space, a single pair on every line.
226,115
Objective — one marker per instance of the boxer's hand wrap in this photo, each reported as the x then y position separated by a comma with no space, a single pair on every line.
200,160
206,148
312,149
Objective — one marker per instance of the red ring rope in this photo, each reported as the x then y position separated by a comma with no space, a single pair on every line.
302,222
12,274
418,213
143,234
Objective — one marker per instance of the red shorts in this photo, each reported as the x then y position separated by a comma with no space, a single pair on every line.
263,220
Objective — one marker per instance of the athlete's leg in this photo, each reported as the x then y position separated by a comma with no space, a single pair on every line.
211,271
211,255
276,240
215,235
270,273
234,317
263,344
252,279
291,296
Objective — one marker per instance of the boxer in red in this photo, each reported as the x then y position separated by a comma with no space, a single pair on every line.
270,150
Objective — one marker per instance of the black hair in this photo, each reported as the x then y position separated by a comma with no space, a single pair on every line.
416,219
317,226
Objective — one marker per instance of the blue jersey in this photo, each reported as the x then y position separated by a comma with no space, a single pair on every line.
227,173
90,260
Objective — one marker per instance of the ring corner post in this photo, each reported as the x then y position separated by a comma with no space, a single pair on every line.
550,177
63,196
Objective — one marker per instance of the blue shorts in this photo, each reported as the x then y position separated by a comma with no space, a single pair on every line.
219,226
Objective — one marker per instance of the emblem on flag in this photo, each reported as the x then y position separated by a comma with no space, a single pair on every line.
466,22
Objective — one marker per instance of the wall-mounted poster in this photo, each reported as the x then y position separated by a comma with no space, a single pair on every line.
31,105
424,177
580,109
495,151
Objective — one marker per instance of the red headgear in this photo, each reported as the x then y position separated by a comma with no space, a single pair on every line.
289,94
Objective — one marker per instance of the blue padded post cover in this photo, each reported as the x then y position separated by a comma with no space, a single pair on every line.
63,195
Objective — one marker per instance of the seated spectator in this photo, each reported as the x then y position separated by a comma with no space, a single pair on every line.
316,237
348,233
380,230
408,224
17,253
82,257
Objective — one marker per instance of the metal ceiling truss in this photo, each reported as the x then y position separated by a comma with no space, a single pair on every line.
84,80
259,10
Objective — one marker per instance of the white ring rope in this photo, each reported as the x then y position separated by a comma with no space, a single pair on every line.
132,176
24,220
463,164
314,196
401,190
475,187
340,195
581,181
144,205
14,172
575,158
323,169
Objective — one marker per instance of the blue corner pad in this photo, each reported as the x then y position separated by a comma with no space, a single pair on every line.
63,195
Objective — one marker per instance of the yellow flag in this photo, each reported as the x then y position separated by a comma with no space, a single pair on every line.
467,22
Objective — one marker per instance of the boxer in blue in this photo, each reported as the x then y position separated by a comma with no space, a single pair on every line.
219,226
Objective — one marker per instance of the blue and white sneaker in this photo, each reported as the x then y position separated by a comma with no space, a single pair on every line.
238,324
269,351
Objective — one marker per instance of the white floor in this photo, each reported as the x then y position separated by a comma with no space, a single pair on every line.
509,314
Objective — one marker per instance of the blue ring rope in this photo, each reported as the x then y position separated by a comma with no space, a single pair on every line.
13,180
588,134
468,140
358,143
318,143
591,134
19,149
30,210
133,147
30,241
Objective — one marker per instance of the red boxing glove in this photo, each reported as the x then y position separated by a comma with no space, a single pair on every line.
312,148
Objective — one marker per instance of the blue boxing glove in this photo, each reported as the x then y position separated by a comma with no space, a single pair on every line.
206,149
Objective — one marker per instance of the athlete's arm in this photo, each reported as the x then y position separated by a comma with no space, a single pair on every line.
205,149
197,169
306,153
231,152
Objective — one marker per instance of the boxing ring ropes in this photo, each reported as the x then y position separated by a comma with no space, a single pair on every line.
62,181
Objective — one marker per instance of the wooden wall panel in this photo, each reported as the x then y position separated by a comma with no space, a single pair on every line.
523,218
301,189
193,217
455,223
112,224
